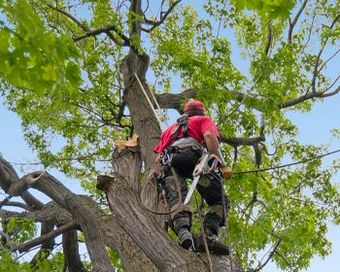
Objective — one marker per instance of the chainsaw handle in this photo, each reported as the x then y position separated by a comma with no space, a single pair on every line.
199,168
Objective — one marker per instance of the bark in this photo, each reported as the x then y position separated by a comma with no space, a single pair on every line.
100,230
137,235
71,251
141,242
142,228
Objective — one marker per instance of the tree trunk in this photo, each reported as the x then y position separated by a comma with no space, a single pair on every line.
136,221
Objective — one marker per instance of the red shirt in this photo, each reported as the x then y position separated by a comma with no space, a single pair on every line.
197,127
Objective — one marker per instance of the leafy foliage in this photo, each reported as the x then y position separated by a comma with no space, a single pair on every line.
68,95
53,264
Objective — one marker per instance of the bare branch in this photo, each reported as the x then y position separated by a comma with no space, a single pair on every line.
17,204
236,141
310,30
93,32
163,17
42,238
269,37
6,237
8,176
308,96
317,62
336,91
71,17
330,58
106,30
6,214
269,257
293,23
46,246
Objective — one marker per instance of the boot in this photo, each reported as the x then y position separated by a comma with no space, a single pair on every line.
182,224
214,246
185,238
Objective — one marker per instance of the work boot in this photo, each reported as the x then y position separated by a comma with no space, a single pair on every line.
185,238
214,246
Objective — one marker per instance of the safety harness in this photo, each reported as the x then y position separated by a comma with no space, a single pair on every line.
182,123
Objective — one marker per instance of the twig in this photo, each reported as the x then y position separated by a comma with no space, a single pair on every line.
324,94
332,56
71,17
93,32
162,19
316,67
269,257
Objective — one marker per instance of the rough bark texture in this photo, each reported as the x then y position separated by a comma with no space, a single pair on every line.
137,222
137,235
71,251
142,244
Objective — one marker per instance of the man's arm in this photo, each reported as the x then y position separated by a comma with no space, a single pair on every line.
213,147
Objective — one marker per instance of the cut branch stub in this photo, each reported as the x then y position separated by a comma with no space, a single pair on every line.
126,164
104,182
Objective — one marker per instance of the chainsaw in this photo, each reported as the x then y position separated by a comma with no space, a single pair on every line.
207,164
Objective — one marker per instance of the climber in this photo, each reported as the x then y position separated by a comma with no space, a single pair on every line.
180,148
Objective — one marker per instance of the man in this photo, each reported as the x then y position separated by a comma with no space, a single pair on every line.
180,148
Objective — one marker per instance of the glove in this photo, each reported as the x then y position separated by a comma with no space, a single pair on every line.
226,172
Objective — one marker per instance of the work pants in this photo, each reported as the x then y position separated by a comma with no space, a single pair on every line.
183,162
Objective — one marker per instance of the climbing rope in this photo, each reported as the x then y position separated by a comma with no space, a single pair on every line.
286,165
178,205
204,238
239,173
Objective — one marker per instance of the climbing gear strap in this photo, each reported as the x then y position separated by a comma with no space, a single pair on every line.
182,123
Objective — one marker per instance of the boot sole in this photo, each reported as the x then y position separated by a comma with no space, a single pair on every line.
214,247
187,243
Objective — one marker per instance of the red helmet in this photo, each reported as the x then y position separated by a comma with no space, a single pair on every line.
193,104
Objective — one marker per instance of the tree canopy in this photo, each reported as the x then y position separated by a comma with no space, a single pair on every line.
70,70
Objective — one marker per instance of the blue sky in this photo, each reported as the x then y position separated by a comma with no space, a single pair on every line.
314,128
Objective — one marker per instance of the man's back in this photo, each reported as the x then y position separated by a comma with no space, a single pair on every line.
197,126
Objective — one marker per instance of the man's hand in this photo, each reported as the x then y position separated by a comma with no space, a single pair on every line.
226,172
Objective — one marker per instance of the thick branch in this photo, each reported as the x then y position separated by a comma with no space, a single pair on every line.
17,204
236,141
50,235
71,252
308,96
8,177
106,30
80,209
174,101
46,246
136,8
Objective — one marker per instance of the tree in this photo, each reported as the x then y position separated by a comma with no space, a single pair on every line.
73,70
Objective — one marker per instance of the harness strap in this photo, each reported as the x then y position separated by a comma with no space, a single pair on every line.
182,123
